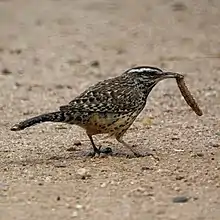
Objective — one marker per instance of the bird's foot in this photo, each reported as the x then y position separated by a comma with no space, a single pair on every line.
99,152
106,150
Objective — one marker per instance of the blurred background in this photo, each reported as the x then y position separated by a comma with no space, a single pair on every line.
60,42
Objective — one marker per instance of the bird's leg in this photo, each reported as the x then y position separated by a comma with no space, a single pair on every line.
96,150
136,154
120,140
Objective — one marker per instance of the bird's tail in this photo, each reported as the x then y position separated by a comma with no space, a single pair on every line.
53,117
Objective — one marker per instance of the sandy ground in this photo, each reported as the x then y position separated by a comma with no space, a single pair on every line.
49,51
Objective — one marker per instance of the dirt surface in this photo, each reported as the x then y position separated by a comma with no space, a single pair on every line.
50,51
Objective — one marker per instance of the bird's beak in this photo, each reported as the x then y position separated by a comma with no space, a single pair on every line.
171,75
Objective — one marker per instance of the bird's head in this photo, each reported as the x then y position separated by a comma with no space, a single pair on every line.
147,77
150,74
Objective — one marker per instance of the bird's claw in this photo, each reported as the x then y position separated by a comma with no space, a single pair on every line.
99,151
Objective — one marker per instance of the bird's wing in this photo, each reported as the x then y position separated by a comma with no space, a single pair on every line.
112,95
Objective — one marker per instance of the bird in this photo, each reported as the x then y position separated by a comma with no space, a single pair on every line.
108,107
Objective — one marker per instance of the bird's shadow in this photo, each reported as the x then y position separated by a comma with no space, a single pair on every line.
62,160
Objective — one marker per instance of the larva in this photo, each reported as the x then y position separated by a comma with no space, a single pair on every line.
188,96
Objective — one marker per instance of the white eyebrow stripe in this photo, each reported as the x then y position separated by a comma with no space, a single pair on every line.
141,70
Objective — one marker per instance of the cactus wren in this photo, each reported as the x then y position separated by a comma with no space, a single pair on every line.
110,106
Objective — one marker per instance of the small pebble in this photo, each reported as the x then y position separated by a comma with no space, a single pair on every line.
74,214
58,198
198,154
179,6
74,61
59,165
83,173
71,149
17,84
59,86
146,168
6,71
215,145
79,206
103,185
15,51
69,87
180,199
150,194
160,212
177,189
174,138
77,143
179,177
95,63
48,179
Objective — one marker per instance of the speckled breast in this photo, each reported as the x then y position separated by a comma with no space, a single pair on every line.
113,123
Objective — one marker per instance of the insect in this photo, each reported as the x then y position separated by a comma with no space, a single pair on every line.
188,96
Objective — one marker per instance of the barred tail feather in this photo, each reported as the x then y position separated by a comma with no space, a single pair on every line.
53,117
